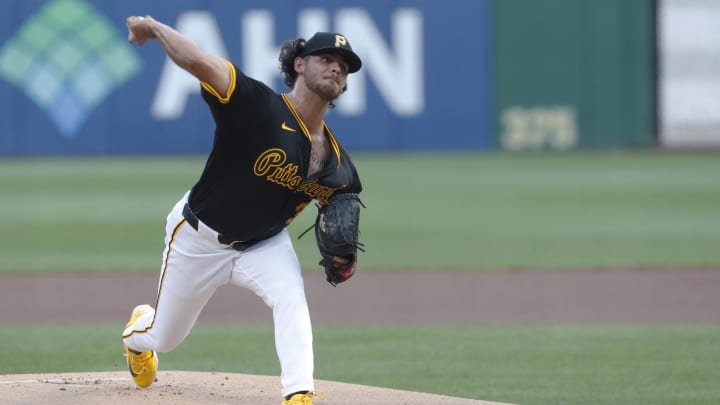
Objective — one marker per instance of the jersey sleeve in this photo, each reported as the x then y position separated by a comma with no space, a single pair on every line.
242,90
207,88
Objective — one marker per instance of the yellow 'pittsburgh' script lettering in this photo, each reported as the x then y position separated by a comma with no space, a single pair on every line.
272,164
313,189
272,161
269,159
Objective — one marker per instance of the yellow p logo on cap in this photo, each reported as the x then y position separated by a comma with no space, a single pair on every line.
340,40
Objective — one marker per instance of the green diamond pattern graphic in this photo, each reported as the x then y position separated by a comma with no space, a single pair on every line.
14,63
67,58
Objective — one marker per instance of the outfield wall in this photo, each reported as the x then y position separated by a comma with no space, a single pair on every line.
574,73
472,74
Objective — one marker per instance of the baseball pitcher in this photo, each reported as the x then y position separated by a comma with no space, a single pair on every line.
272,155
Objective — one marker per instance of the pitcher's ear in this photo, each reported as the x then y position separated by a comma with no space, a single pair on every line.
299,64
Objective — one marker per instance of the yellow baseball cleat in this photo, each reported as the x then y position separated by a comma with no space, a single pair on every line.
304,399
143,365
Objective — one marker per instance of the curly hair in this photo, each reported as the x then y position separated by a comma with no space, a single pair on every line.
288,52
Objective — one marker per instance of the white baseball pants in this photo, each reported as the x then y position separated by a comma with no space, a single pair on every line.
195,264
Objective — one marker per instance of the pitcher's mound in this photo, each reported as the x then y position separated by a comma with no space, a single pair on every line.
183,387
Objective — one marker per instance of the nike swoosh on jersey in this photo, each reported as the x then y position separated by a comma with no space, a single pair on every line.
287,128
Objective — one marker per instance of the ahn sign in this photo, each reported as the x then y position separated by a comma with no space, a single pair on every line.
82,89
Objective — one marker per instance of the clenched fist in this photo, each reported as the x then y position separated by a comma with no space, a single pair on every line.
139,29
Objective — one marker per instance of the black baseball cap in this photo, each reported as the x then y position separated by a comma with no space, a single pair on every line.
332,42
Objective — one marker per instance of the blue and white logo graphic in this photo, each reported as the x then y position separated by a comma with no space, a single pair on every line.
68,58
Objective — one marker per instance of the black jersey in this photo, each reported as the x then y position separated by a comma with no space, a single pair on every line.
255,180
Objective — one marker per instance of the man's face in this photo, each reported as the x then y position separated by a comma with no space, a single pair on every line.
326,75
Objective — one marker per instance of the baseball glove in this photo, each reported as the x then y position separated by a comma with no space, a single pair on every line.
336,233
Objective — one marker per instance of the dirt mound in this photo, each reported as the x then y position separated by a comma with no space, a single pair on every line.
182,387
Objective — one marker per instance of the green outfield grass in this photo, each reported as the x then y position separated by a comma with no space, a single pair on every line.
637,365
473,211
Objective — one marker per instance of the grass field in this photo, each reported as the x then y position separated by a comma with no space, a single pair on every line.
472,211
640,365
484,211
